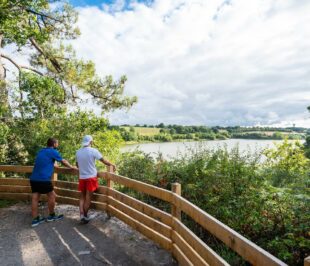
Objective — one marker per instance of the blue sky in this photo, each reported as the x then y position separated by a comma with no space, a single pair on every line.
99,3
203,62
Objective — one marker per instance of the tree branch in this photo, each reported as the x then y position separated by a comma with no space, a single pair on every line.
20,67
42,15
51,59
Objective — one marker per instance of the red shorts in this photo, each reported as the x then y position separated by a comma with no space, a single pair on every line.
89,184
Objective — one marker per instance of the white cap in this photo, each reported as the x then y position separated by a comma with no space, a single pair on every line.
86,140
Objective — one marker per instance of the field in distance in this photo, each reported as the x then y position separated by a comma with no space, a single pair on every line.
145,131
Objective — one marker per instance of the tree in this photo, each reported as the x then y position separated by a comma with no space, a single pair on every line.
307,144
42,26
52,80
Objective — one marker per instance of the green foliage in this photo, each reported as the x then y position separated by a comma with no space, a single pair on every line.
46,101
6,203
166,133
69,129
22,20
44,26
42,97
286,163
307,144
234,188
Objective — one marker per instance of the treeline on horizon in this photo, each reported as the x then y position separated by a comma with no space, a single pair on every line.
166,133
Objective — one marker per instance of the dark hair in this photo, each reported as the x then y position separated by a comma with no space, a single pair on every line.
51,142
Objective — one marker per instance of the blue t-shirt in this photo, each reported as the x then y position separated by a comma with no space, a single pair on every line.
44,164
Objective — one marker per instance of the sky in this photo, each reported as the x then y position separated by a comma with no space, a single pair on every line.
203,62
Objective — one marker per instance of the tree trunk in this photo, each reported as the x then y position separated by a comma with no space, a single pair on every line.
2,70
4,95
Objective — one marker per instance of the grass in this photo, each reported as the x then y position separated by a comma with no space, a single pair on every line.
145,131
6,203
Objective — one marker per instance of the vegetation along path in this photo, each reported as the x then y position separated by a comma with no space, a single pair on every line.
67,242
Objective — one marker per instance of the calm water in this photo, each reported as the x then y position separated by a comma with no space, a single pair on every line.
171,149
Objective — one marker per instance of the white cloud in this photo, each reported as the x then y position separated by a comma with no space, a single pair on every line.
205,62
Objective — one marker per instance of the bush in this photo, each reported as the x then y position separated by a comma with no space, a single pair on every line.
234,188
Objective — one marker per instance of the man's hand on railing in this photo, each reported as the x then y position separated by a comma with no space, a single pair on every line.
113,167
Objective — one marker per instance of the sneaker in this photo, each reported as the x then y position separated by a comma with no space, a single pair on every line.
89,217
86,219
37,221
54,217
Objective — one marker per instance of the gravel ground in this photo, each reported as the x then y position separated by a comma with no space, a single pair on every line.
103,241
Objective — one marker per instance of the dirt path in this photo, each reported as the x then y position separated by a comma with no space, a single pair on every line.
101,242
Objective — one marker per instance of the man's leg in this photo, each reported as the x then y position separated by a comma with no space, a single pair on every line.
82,201
51,199
87,202
34,205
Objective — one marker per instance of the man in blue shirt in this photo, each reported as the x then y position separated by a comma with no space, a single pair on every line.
40,181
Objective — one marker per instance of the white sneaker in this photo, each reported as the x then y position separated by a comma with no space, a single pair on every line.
90,217
86,219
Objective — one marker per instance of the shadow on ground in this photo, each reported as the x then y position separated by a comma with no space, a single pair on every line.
67,242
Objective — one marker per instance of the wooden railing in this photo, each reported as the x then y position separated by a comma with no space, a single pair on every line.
164,228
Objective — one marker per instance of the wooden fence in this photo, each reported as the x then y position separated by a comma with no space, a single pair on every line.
164,228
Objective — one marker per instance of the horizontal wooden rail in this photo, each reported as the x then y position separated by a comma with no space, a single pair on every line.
142,207
15,181
189,252
164,228
180,256
15,189
145,230
244,247
16,168
151,190
146,220
197,244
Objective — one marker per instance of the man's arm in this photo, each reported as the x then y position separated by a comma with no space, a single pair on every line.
66,163
106,162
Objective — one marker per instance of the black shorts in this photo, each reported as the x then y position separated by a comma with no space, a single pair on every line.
42,187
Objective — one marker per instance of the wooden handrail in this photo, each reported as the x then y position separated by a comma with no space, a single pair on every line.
166,229
244,247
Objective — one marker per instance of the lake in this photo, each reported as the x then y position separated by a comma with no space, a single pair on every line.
171,149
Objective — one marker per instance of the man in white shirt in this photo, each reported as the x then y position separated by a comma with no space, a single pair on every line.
88,182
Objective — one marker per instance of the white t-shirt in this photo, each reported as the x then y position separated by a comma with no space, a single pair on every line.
86,158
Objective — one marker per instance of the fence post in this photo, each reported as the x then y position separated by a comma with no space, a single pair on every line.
110,185
307,261
176,212
54,176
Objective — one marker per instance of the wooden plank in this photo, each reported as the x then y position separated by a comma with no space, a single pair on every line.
66,171
187,250
66,185
142,218
15,189
99,206
142,207
67,193
148,232
307,261
154,191
180,257
74,186
15,181
67,200
15,196
102,190
244,247
209,255
16,168
102,175
20,196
